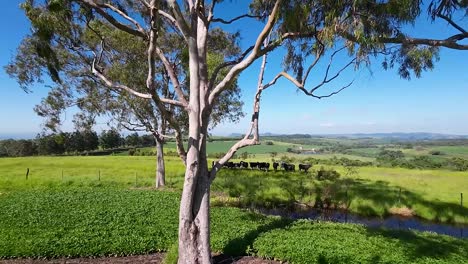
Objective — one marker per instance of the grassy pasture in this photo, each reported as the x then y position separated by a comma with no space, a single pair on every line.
223,147
431,194
99,221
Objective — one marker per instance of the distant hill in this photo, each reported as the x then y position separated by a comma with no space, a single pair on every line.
401,136
395,135
17,135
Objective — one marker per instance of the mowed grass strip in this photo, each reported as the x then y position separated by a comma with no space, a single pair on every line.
105,221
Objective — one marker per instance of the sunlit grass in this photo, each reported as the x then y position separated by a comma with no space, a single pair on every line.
431,194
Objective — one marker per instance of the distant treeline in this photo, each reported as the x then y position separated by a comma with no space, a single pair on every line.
347,143
392,158
85,142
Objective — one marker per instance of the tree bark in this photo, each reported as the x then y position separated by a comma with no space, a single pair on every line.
194,233
160,166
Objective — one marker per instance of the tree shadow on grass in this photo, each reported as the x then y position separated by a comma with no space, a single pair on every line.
405,246
384,196
361,196
240,245
424,245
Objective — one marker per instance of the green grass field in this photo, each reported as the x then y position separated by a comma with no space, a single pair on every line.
223,147
430,194
101,221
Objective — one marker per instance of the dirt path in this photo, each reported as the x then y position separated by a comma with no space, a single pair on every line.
142,259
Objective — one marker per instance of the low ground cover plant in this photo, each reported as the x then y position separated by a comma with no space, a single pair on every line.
100,221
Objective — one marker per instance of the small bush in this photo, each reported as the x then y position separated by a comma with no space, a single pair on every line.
131,152
436,153
244,155
327,174
216,155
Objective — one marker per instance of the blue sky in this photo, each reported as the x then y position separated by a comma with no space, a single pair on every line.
378,101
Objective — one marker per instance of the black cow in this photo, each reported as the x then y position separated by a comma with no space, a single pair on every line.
304,167
229,164
254,165
264,166
275,166
244,165
288,167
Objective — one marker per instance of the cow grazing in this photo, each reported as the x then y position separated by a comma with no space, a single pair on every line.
304,167
275,166
288,167
254,165
229,164
244,165
264,166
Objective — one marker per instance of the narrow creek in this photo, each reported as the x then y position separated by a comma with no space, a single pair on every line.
393,222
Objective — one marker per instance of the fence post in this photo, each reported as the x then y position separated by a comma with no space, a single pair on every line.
27,173
399,196
346,205
62,174
99,175
461,213
461,200
136,179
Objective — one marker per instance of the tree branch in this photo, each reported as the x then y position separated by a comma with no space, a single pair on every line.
226,64
325,78
246,141
451,22
256,52
125,16
111,84
450,42
179,17
220,20
301,87
172,75
173,21
113,21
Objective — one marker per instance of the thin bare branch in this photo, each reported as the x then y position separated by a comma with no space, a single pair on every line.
220,20
111,84
325,78
333,93
236,69
227,64
451,22
173,76
211,12
172,21
312,65
179,17
146,4
301,87
125,16
253,130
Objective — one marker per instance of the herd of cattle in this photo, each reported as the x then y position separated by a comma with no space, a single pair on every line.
265,166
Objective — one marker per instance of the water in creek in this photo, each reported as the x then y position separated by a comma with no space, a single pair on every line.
390,222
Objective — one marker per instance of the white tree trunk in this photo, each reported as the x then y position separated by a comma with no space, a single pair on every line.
194,233
160,166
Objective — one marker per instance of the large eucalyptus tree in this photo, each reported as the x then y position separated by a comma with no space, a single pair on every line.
76,86
307,28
